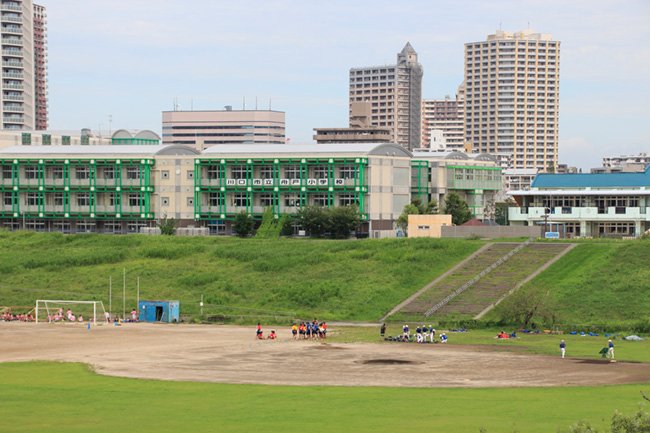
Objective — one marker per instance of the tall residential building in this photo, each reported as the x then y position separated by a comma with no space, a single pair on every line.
447,116
512,97
23,63
395,92
203,129
40,66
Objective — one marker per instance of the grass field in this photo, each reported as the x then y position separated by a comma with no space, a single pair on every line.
542,344
597,283
39,397
342,280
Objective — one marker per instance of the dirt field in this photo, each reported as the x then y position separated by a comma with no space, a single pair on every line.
230,354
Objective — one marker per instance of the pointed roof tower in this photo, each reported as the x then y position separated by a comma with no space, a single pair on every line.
407,55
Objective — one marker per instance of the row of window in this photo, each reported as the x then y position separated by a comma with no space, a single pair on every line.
289,172
81,173
289,200
81,199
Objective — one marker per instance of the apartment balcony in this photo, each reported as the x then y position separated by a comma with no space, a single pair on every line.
12,64
13,75
566,214
12,52
13,108
13,119
12,86
11,19
13,30
12,41
11,7
17,98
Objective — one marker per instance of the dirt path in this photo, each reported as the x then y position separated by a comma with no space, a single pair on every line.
230,354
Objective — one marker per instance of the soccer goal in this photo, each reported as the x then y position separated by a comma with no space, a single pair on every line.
67,311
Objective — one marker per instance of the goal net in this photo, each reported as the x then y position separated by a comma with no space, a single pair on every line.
69,311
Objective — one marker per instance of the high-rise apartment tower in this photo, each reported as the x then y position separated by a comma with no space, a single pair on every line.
24,59
445,115
395,92
512,97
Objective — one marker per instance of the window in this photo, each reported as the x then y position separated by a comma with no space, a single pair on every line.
83,199
321,200
214,172
321,172
292,172
133,173
240,200
268,200
58,199
27,138
31,172
266,172
291,200
57,173
135,200
238,172
111,199
348,172
8,199
109,173
6,172
47,140
65,140
82,173
347,200
216,199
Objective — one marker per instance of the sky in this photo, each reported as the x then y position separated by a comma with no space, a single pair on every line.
130,59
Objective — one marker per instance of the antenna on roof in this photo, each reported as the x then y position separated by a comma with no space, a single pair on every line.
256,103
244,103
191,104
110,124
500,25
269,104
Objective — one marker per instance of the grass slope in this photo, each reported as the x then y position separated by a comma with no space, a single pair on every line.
41,397
342,280
598,283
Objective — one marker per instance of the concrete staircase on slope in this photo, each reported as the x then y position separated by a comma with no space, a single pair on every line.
483,280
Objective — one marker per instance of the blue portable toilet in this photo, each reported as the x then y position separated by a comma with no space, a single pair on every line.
159,311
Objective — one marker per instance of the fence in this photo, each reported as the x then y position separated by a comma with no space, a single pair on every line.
491,231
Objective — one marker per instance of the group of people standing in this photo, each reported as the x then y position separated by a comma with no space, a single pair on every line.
423,334
309,330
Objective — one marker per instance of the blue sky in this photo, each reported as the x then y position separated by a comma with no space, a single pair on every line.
131,58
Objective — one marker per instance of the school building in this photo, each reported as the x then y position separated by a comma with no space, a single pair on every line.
586,205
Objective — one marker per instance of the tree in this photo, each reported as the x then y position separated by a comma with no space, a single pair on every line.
431,207
270,227
343,220
314,220
243,225
403,220
167,226
501,211
457,208
522,308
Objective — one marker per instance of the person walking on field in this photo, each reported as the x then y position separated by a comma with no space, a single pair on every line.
562,348
382,330
610,350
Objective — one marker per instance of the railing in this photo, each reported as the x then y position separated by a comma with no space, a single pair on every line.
11,7
474,280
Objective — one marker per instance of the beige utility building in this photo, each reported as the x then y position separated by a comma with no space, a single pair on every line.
360,130
202,129
395,92
427,226
512,83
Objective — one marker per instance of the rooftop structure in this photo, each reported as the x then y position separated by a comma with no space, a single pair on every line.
203,129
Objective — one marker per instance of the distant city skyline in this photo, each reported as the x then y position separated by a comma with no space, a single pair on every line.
131,59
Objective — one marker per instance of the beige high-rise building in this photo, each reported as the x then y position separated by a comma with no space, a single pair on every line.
447,116
395,92
40,67
202,129
512,97
23,57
